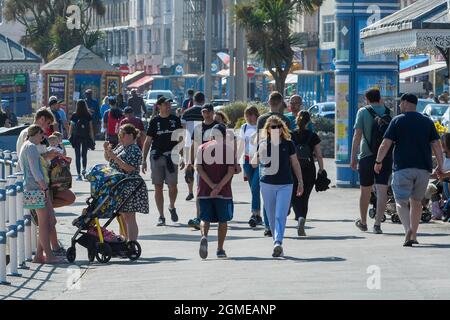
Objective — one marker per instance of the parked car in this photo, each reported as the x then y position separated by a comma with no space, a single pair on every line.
446,118
323,109
435,111
152,96
422,103
219,103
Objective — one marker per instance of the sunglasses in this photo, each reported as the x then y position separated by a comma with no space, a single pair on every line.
279,126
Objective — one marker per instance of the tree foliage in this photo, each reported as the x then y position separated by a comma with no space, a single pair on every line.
45,24
268,24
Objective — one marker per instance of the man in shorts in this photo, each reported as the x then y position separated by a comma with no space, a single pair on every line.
164,170
214,188
414,136
367,177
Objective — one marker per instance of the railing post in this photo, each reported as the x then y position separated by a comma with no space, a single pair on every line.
3,233
12,229
20,221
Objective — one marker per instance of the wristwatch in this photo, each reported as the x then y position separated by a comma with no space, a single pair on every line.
377,162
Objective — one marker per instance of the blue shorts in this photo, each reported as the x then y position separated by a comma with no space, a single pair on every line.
216,210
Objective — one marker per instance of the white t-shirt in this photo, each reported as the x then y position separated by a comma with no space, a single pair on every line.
446,165
248,134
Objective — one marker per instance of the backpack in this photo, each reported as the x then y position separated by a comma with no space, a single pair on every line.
304,152
60,176
113,124
380,125
81,129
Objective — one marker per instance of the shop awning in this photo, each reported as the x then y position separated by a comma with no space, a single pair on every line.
129,78
141,82
420,27
290,79
419,71
412,61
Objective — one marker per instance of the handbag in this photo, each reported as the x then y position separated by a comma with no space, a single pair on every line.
34,199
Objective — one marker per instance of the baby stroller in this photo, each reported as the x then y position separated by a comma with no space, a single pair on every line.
391,209
107,198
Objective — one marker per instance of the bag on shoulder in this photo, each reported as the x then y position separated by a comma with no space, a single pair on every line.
304,152
81,129
60,176
34,199
379,128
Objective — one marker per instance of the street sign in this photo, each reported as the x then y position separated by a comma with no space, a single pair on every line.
251,71
179,69
125,70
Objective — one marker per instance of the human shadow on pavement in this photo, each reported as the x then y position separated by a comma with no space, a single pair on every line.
432,246
186,237
326,238
330,220
140,261
66,214
419,234
319,259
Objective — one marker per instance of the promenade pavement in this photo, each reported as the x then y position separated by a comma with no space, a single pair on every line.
335,261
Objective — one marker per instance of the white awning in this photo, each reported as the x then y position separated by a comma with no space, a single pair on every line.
419,71
290,79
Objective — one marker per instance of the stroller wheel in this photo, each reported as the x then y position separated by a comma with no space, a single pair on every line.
372,213
71,254
383,218
426,216
103,252
395,218
91,254
133,250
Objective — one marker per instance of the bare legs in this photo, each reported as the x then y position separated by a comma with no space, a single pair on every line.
221,232
131,225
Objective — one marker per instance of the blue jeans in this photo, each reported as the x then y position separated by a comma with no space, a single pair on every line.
277,200
252,175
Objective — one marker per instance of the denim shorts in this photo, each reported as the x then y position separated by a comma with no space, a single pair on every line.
367,176
216,210
410,183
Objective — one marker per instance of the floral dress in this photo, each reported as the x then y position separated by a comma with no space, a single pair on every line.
132,156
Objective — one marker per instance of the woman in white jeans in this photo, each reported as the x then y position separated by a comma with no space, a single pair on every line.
277,158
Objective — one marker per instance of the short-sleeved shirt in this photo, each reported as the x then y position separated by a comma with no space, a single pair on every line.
280,172
263,119
138,105
187,103
191,118
291,118
247,134
161,129
131,155
202,130
306,136
215,171
365,121
74,118
136,122
412,134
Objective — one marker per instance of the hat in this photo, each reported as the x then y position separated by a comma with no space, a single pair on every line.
128,110
53,99
88,91
208,107
409,97
163,100
220,127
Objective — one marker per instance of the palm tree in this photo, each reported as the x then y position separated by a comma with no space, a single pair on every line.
268,24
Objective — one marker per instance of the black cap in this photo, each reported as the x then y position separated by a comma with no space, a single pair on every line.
219,127
163,100
208,107
411,98
128,110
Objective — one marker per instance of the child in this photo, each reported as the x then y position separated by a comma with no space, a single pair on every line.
54,143
60,141
60,176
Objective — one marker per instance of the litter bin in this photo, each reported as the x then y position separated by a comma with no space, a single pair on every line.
9,136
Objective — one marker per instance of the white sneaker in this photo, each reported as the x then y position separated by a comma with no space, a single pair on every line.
277,251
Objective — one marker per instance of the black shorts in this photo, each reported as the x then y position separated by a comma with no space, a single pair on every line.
368,177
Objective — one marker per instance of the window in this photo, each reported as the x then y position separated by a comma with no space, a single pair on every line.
168,42
157,42
141,10
132,42
168,5
328,29
1,11
140,41
156,8
149,40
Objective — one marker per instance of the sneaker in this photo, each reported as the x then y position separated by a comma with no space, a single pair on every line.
267,233
83,173
161,222
377,229
173,214
79,178
252,222
203,251
259,220
194,223
221,254
277,251
190,197
360,226
301,227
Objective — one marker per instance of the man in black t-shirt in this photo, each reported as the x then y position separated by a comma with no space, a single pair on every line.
137,103
159,137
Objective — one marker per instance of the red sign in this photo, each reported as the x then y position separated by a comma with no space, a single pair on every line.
125,70
251,71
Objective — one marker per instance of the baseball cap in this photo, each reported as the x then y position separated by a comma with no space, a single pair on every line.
409,97
128,110
208,107
163,100
53,99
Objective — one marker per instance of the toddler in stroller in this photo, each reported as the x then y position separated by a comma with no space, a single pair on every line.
107,198
391,209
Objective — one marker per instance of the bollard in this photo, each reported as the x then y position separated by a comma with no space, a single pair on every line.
14,161
2,165
33,238
3,233
20,221
7,161
12,229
